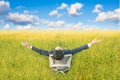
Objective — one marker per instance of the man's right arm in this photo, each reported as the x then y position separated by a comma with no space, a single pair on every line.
40,51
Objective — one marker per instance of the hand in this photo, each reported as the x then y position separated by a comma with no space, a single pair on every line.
26,44
95,41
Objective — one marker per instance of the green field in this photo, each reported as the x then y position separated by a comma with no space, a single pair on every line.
100,62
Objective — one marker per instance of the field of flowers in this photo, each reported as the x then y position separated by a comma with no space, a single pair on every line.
99,62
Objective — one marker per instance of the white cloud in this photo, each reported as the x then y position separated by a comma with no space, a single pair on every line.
34,12
4,7
59,15
77,26
74,8
52,24
7,26
22,19
26,12
56,25
63,6
97,8
91,27
26,27
19,7
54,12
110,16
2,21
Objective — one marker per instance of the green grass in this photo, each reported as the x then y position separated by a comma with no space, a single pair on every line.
100,62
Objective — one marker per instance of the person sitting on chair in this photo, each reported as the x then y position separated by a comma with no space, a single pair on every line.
59,53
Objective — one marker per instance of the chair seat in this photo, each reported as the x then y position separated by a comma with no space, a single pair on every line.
60,65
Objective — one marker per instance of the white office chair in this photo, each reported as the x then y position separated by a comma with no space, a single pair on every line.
62,65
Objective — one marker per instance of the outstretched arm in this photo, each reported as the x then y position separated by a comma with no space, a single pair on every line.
93,42
40,51
74,51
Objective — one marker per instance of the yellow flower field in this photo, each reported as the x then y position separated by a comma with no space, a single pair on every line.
99,62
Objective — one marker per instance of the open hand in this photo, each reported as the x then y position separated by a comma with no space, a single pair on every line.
95,41
26,44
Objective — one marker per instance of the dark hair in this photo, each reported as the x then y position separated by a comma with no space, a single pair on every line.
58,54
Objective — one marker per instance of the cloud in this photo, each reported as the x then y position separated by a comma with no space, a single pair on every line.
55,13
26,12
77,26
22,19
56,25
2,21
34,12
97,8
80,26
52,24
59,15
19,7
25,27
109,16
4,7
63,6
91,27
7,26
74,8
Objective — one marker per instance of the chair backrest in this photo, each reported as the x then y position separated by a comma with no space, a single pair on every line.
60,65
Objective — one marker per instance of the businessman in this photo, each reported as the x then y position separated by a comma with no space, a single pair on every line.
58,61
59,53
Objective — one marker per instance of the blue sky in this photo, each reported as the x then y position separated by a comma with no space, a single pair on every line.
60,14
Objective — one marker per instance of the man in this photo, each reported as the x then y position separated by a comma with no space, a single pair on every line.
60,50
58,53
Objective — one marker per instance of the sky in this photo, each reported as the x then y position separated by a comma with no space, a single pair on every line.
59,15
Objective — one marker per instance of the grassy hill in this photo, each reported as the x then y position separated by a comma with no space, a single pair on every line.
100,62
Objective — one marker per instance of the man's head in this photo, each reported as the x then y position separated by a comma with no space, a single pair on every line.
58,48
58,53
